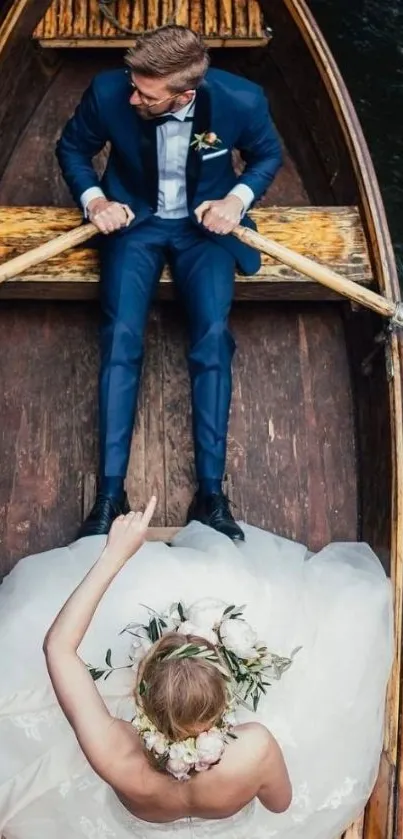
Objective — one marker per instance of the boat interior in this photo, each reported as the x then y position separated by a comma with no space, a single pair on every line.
302,424
311,443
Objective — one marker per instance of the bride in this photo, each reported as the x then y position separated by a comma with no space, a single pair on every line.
172,719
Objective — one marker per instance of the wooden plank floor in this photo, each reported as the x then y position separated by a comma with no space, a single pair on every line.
291,458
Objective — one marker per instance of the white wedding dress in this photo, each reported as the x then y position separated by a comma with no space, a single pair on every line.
326,711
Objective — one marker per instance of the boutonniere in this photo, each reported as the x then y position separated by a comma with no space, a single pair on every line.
206,140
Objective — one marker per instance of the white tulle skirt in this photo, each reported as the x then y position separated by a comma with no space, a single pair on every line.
326,712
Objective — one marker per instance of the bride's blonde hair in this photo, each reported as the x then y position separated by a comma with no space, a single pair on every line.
181,696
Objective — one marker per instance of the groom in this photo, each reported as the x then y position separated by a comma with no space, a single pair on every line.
169,193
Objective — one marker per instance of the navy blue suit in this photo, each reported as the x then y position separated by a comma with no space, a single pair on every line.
203,264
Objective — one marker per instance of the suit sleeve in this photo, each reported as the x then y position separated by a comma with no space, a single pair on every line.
260,148
82,138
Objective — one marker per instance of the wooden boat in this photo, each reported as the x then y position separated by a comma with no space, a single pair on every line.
316,435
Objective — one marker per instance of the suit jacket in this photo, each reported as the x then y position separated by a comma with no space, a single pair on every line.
235,109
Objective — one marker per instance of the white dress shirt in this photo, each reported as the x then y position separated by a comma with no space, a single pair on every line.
173,138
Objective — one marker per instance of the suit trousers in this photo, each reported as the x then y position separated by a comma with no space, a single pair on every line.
203,273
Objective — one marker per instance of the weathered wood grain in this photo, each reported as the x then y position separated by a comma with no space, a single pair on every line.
48,423
225,18
25,75
94,21
138,15
181,15
152,13
80,18
65,18
146,471
330,235
255,20
291,448
49,21
66,23
168,10
304,450
241,17
178,441
211,18
379,813
291,451
33,175
356,831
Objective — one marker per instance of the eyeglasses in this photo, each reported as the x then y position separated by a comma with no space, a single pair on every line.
150,104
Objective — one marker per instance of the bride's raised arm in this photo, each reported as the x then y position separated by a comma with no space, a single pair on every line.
98,733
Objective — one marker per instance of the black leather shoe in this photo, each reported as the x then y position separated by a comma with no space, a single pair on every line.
214,511
103,513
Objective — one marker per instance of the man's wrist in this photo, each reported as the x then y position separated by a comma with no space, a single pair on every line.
237,202
245,195
89,195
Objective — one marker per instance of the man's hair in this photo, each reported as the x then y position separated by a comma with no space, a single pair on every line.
174,52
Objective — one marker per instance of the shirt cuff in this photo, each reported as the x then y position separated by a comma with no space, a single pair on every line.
245,193
89,194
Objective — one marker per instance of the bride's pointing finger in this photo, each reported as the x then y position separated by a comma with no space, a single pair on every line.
149,510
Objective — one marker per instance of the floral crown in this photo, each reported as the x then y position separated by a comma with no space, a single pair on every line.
245,663
189,650
194,754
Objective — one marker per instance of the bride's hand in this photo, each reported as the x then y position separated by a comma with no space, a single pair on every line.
128,533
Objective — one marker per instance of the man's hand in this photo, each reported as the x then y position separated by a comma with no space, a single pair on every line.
220,216
109,216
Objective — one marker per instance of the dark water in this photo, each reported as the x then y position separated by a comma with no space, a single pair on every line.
366,38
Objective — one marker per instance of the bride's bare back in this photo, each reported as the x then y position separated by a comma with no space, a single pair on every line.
252,765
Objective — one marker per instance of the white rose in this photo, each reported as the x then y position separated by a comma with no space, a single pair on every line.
188,628
183,752
210,746
156,742
207,612
178,768
238,636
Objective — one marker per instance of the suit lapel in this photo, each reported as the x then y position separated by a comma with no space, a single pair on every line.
148,151
201,123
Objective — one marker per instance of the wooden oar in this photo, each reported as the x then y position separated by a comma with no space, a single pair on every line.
26,260
321,273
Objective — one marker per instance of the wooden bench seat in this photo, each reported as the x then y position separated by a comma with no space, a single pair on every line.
80,23
331,235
